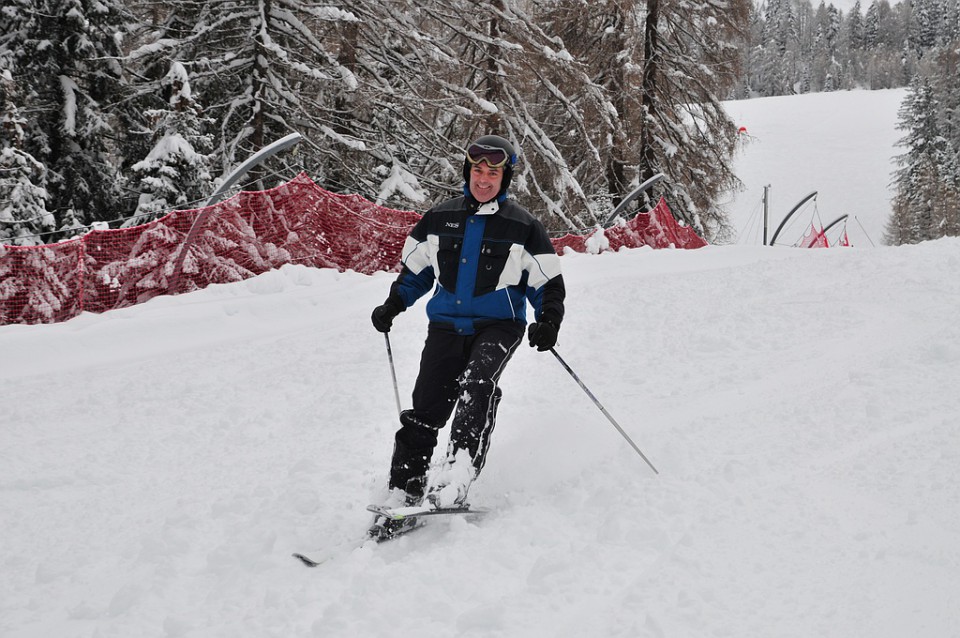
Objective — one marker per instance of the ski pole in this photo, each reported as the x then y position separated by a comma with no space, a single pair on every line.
393,372
604,410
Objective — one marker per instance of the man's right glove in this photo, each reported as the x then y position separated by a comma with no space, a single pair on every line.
384,314
543,334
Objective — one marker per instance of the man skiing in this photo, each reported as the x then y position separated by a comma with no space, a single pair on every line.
487,256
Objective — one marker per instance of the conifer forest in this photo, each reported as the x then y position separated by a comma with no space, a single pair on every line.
114,112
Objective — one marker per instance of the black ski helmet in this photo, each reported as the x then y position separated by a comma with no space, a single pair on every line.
494,141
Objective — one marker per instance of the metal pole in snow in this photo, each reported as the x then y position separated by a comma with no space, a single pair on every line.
604,410
198,222
637,192
393,372
259,157
766,211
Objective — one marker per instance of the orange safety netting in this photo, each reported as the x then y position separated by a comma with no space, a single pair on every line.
248,234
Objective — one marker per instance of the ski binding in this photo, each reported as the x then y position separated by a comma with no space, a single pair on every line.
395,522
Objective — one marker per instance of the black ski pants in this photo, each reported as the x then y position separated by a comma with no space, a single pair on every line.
456,371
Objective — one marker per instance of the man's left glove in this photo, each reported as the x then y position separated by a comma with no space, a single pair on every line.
543,334
384,314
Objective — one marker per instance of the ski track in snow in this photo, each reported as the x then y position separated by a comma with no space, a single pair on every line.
160,463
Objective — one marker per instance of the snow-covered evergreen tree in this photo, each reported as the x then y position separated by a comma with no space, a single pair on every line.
66,59
176,171
752,62
856,31
266,69
871,25
927,200
776,37
387,94
23,197
927,24
948,91
951,27
791,45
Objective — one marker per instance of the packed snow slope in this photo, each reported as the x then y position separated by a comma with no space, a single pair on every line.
159,464
842,145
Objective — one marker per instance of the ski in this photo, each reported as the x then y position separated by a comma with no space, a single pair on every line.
320,556
394,523
418,511
306,560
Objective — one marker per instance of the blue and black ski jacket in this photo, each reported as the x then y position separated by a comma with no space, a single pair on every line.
486,260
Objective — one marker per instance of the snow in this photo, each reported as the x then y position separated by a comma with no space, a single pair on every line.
597,242
70,90
178,77
168,149
841,145
160,463
401,181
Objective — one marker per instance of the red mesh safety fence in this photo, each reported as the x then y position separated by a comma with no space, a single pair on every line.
814,238
129,265
657,228
41,284
248,234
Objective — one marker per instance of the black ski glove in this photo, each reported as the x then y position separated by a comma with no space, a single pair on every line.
543,334
384,314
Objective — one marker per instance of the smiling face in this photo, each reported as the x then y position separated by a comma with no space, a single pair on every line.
485,181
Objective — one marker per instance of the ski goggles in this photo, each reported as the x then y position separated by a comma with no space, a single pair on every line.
494,156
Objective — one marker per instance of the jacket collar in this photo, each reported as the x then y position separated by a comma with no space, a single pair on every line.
489,208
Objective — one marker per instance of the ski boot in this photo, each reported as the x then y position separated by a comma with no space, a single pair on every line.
385,528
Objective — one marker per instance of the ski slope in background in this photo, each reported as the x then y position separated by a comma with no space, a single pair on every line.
160,463
841,145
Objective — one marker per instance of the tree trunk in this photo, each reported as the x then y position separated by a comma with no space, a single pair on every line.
338,179
617,88
494,90
648,91
260,74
